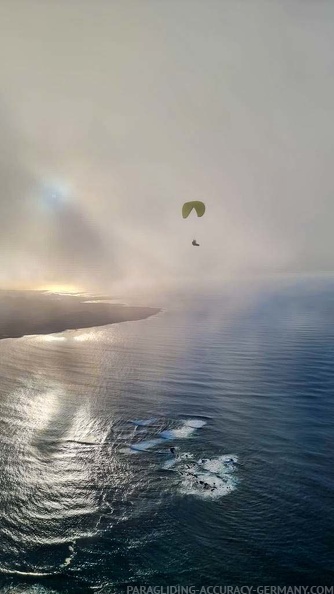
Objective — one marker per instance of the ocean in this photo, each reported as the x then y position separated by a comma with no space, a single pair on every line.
240,382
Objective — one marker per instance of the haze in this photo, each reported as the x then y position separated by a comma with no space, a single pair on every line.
113,113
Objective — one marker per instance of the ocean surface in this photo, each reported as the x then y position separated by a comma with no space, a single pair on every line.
243,379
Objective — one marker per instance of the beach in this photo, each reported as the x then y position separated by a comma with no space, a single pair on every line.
38,312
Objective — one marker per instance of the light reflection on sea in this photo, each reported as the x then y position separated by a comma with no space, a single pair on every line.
78,511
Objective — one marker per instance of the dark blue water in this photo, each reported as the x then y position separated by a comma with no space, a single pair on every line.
80,513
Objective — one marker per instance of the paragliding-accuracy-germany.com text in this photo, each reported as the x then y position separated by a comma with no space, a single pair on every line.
218,589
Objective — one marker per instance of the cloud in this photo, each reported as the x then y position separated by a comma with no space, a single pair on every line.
139,106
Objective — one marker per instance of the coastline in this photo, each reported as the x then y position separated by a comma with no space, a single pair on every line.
26,313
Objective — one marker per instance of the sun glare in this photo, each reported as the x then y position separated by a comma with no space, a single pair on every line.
61,289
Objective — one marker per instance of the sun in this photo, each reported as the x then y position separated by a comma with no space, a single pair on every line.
59,288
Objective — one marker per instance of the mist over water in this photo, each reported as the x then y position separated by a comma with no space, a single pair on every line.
80,511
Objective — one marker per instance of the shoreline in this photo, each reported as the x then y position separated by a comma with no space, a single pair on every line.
23,314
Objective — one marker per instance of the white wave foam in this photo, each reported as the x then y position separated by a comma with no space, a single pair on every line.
221,465
72,552
188,427
142,422
142,446
8,571
180,433
170,463
186,456
217,487
39,573
180,458
196,423
209,477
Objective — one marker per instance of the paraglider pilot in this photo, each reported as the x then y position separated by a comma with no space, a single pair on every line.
198,207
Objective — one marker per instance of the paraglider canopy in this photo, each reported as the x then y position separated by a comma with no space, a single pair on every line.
198,206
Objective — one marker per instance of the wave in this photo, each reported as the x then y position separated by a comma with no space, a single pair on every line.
43,573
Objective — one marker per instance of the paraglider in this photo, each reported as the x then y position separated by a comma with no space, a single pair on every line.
189,206
199,208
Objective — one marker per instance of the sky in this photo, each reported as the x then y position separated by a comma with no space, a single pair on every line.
115,112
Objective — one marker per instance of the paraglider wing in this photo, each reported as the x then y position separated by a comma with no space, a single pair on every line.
198,206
